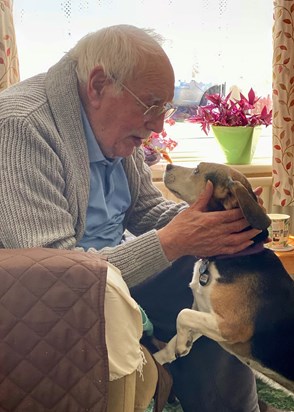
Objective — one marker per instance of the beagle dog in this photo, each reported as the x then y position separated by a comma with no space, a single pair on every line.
245,302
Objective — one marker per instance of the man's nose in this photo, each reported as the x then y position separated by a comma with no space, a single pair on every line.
156,123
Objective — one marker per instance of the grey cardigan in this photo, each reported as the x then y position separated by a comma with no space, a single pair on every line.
44,177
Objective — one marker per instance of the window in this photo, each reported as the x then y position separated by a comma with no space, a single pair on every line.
211,43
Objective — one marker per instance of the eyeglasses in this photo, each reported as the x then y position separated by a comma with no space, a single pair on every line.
153,111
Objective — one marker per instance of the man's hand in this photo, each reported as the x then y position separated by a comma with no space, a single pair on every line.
258,190
197,232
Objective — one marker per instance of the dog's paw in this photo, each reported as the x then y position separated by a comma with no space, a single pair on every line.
184,344
168,353
183,350
164,356
160,357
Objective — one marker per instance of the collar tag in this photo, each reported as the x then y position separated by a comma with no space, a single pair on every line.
204,273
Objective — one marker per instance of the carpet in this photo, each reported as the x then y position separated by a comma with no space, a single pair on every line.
274,394
269,392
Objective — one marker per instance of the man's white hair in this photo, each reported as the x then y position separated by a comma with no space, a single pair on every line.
120,50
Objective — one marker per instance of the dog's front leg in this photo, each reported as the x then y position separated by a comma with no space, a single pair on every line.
191,325
187,336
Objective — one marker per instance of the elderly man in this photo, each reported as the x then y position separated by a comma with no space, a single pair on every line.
73,175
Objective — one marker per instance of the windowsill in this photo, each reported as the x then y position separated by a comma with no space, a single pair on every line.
252,170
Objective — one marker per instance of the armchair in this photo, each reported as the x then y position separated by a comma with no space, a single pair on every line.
53,354
53,338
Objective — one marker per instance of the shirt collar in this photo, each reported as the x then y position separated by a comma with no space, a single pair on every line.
94,151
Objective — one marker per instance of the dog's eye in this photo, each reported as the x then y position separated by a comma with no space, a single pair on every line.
195,171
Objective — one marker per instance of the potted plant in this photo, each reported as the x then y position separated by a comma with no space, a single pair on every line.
236,124
158,145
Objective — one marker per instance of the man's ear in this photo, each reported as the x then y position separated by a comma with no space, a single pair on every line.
96,82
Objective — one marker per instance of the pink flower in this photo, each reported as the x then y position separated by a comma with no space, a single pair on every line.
159,144
224,111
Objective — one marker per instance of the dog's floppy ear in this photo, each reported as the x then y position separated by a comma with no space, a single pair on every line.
253,212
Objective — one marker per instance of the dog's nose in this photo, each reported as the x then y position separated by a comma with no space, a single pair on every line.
169,166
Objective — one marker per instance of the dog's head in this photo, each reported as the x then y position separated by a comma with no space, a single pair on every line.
231,189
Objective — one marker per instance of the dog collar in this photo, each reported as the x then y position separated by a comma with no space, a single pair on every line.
250,250
204,273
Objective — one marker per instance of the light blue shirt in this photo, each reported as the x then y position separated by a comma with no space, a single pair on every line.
109,196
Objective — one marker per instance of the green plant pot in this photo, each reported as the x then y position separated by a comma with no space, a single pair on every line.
237,142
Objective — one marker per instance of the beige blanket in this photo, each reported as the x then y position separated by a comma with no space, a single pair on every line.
123,327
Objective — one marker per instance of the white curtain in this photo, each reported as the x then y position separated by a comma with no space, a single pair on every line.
283,108
9,70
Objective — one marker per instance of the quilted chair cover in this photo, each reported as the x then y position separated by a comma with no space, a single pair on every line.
53,355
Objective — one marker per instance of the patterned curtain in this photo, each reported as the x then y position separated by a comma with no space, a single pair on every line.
9,69
283,108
